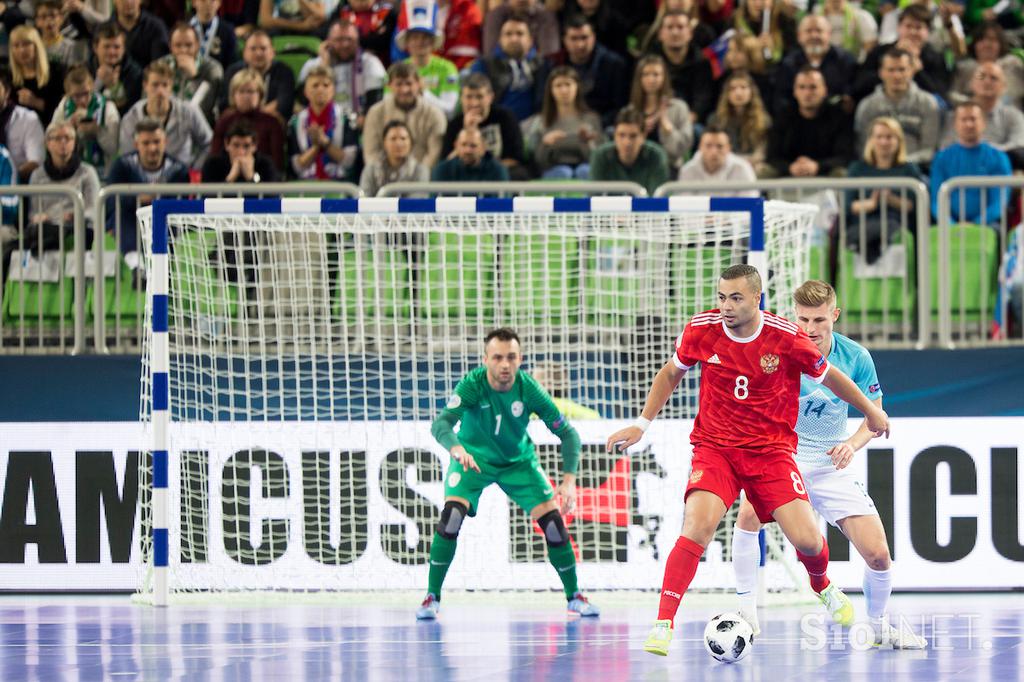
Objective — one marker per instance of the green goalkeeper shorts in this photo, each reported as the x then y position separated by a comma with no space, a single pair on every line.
524,482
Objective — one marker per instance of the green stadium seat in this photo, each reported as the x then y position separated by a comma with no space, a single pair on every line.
817,268
195,272
546,272
47,302
120,299
973,269
877,299
611,283
458,273
694,280
373,285
295,50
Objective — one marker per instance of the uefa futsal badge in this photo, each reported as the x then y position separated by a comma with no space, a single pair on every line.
517,409
453,479
695,476
769,363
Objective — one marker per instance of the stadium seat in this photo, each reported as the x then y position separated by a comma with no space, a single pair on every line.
612,282
697,270
120,299
295,50
374,285
458,273
973,270
817,268
40,302
873,300
196,272
546,271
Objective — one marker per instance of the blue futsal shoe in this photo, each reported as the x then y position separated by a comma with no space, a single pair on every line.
579,606
429,608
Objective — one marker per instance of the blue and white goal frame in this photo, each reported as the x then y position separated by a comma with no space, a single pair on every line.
159,282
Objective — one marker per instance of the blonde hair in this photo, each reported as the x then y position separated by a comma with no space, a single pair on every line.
26,32
323,72
896,129
814,293
245,77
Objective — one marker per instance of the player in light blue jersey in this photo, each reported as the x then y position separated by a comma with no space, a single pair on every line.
823,454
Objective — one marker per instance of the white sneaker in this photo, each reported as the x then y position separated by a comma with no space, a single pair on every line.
888,637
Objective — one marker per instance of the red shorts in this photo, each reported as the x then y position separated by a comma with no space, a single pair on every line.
770,479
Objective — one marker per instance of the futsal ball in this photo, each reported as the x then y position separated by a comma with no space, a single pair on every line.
728,638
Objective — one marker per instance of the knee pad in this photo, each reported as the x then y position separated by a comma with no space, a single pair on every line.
555,532
452,516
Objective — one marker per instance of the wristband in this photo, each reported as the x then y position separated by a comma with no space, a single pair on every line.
642,423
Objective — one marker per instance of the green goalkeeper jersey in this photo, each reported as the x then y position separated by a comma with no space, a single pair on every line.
494,423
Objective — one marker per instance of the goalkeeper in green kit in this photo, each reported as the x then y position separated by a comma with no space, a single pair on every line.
494,404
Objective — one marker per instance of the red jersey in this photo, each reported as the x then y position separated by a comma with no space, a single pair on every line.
749,388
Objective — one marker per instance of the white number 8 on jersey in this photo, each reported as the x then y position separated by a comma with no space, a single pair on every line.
741,391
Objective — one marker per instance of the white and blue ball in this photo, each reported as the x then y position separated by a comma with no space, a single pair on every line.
728,638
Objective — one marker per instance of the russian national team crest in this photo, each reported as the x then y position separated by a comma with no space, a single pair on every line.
517,409
695,476
769,363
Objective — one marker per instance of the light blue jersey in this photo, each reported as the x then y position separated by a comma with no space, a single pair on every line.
821,423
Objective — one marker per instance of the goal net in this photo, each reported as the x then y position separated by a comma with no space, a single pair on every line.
298,350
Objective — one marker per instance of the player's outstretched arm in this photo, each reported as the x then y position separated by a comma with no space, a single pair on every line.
876,420
842,454
666,380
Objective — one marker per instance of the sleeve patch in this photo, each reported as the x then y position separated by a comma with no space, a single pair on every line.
820,362
454,402
558,423
874,388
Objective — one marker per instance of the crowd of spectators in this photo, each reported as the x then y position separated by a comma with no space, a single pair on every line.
104,91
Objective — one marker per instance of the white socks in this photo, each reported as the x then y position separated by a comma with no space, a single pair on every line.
877,588
746,559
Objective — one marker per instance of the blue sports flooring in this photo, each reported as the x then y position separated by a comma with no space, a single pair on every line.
483,637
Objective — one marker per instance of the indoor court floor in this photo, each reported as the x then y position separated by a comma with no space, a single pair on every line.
975,638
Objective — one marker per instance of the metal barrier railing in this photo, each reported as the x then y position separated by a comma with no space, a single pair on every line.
127,338
959,309
50,334
881,310
966,316
397,189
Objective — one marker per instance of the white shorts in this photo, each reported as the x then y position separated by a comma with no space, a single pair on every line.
837,493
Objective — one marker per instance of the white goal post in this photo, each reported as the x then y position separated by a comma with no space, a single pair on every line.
297,350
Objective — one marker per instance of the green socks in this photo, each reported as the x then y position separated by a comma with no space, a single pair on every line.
442,551
564,561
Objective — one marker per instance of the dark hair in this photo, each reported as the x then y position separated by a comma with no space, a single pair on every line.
984,28
394,123
341,23
714,129
477,81
916,13
183,26
549,109
6,80
52,4
575,21
807,68
401,71
107,31
636,92
895,53
630,115
744,271
147,125
969,104
518,18
502,334
239,129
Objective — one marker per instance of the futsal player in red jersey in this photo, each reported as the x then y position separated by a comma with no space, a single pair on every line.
743,436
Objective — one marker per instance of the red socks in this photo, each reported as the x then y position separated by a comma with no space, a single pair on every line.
679,571
816,567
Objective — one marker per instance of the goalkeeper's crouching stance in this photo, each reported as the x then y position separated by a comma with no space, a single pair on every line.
494,404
